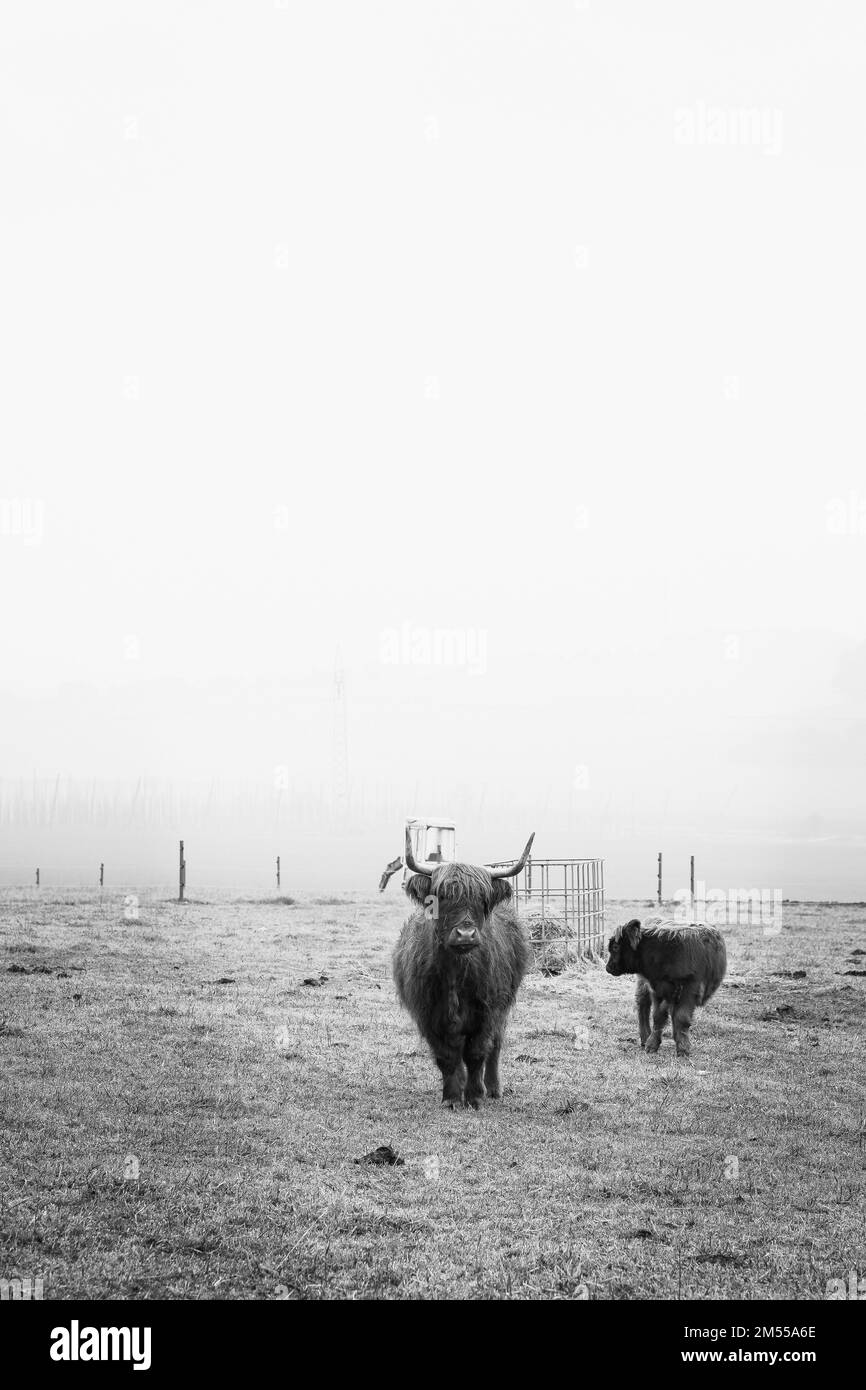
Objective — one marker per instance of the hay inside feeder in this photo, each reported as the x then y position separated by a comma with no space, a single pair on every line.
549,935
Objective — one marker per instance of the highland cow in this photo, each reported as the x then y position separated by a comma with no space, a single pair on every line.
458,965
678,969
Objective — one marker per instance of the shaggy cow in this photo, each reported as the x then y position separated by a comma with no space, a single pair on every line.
678,969
458,965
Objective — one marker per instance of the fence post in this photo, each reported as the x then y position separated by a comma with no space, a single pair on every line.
37,878
660,879
278,871
692,882
182,876
101,874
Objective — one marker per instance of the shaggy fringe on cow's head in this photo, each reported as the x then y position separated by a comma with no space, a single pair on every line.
618,932
460,883
469,881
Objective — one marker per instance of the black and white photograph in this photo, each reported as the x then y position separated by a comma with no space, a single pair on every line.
433,666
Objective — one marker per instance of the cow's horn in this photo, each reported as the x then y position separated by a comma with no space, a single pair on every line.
515,868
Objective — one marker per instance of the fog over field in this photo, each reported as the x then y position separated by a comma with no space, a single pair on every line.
478,433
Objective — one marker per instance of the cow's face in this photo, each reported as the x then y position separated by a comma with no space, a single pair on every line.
621,949
459,899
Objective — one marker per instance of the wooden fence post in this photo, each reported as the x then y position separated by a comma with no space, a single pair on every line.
278,871
101,874
660,878
182,877
692,882
37,878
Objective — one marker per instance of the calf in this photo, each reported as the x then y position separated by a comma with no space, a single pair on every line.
678,968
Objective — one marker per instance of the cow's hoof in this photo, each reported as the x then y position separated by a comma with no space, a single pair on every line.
474,1101
494,1095
653,1045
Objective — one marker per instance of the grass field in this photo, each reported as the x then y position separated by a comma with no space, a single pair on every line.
182,1112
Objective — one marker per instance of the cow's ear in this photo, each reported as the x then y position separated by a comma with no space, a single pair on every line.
632,933
418,888
501,892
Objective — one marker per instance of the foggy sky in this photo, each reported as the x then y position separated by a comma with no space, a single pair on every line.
514,351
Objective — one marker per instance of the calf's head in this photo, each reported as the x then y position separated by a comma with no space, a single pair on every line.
460,898
622,949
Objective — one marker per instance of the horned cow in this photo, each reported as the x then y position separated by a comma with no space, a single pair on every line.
679,968
458,965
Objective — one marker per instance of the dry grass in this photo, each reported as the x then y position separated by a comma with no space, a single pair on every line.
186,1042
551,938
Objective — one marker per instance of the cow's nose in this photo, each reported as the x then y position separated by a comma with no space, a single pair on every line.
465,933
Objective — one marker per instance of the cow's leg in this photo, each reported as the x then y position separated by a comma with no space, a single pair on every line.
450,1063
660,1019
475,1054
491,1069
643,998
681,1018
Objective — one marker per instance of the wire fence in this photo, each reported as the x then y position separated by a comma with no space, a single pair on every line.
562,901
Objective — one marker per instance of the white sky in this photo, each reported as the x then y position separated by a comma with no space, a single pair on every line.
429,318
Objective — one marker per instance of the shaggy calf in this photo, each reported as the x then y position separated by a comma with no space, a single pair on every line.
457,965
678,969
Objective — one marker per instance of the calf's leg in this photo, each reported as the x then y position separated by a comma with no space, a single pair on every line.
643,998
660,1018
681,1018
